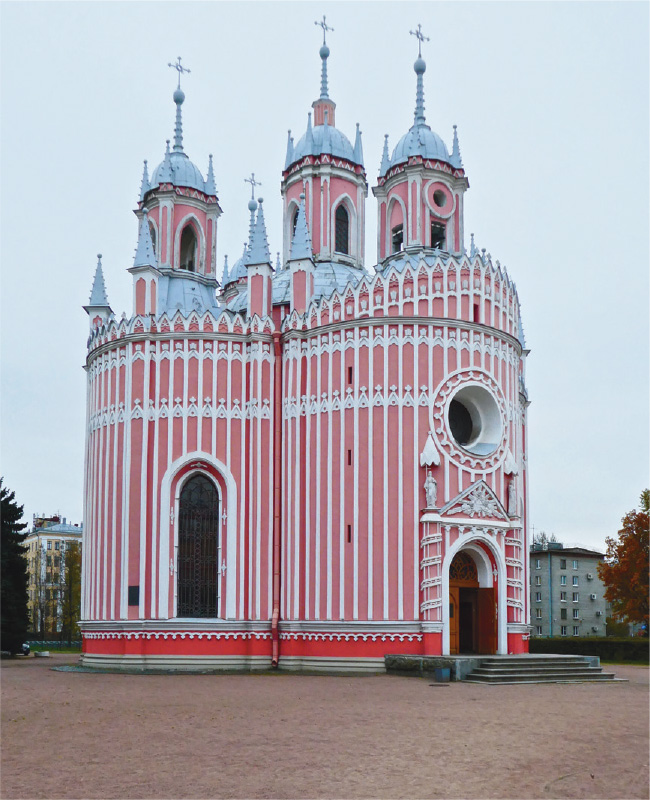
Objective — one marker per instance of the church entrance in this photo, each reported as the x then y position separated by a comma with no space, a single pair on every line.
472,612
198,549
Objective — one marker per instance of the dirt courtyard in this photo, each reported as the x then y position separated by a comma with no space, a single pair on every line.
80,735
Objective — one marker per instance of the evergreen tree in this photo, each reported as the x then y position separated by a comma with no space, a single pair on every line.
13,575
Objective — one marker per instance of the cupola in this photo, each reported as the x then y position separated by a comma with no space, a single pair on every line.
421,185
329,169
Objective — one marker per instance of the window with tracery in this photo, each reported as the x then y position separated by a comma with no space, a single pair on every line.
463,568
342,230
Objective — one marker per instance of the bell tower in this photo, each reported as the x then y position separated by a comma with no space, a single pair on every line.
421,186
329,171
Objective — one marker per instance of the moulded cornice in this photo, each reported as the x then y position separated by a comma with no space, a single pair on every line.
206,280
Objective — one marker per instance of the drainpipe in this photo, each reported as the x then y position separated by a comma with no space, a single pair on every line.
277,496
550,596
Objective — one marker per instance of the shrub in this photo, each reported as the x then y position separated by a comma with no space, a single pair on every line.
607,648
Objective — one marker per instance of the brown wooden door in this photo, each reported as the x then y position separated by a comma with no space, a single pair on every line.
487,622
454,593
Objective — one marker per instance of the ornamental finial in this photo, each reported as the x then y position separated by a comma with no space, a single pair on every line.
180,69
253,184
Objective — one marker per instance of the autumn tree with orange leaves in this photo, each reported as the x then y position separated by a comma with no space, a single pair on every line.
625,569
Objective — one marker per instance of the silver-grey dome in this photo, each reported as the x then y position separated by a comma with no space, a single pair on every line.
419,141
184,173
336,143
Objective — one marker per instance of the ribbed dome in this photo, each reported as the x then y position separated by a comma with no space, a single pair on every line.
419,141
183,173
336,143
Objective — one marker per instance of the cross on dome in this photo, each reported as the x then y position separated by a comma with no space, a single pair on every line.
180,69
420,37
325,28
253,184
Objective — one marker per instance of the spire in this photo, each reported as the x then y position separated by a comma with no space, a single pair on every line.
289,159
258,246
385,158
144,254
309,136
145,185
420,68
98,296
224,276
301,242
358,147
210,186
166,175
252,207
179,97
324,54
278,264
456,159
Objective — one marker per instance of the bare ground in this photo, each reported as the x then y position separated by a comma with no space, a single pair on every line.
80,735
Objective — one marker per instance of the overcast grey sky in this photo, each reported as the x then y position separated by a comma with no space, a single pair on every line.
551,103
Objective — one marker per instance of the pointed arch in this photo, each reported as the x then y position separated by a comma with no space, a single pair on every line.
343,226
190,220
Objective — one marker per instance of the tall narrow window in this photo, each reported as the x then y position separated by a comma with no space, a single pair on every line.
342,230
437,236
198,548
397,238
294,223
152,233
188,249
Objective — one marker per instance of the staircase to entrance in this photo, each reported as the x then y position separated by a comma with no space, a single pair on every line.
539,669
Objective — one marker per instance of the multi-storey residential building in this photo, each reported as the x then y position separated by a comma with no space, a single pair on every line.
566,594
47,545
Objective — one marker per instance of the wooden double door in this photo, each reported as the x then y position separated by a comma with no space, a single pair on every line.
472,620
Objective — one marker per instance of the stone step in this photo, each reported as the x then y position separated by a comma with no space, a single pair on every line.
532,677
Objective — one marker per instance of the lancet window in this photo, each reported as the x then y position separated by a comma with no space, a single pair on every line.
342,230
188,255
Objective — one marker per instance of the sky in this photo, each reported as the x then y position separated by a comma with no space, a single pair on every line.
551,103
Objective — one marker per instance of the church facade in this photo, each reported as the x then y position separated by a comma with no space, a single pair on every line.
308,464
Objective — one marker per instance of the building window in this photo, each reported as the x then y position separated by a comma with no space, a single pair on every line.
294,223
539,630
576,597
538,580
397,238
563,630
576,630
56,545
575,564
437,236
57,561
576,613
49,561
342,230
563,563
563,613
152,233
188,249
575,580
538,563
538,613
562,580
563,597
538,597
49,545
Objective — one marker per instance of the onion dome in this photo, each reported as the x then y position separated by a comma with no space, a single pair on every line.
238,269
176,168
420,140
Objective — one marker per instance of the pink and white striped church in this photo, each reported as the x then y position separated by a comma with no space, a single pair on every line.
312,464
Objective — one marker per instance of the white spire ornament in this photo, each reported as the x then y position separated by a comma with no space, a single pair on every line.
429,456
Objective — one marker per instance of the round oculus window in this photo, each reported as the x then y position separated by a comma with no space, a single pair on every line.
440,198
474,420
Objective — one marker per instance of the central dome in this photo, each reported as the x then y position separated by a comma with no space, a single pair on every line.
333,142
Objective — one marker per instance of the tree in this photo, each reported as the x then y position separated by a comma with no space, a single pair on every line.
15,619
625,569
71,592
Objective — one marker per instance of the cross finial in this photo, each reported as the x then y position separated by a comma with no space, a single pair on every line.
325,27
420,37
253,184
180,69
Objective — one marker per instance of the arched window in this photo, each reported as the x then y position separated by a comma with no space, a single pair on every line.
438,236
198,549
463,568
342,230
294,223
188,249
397,238
152,233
